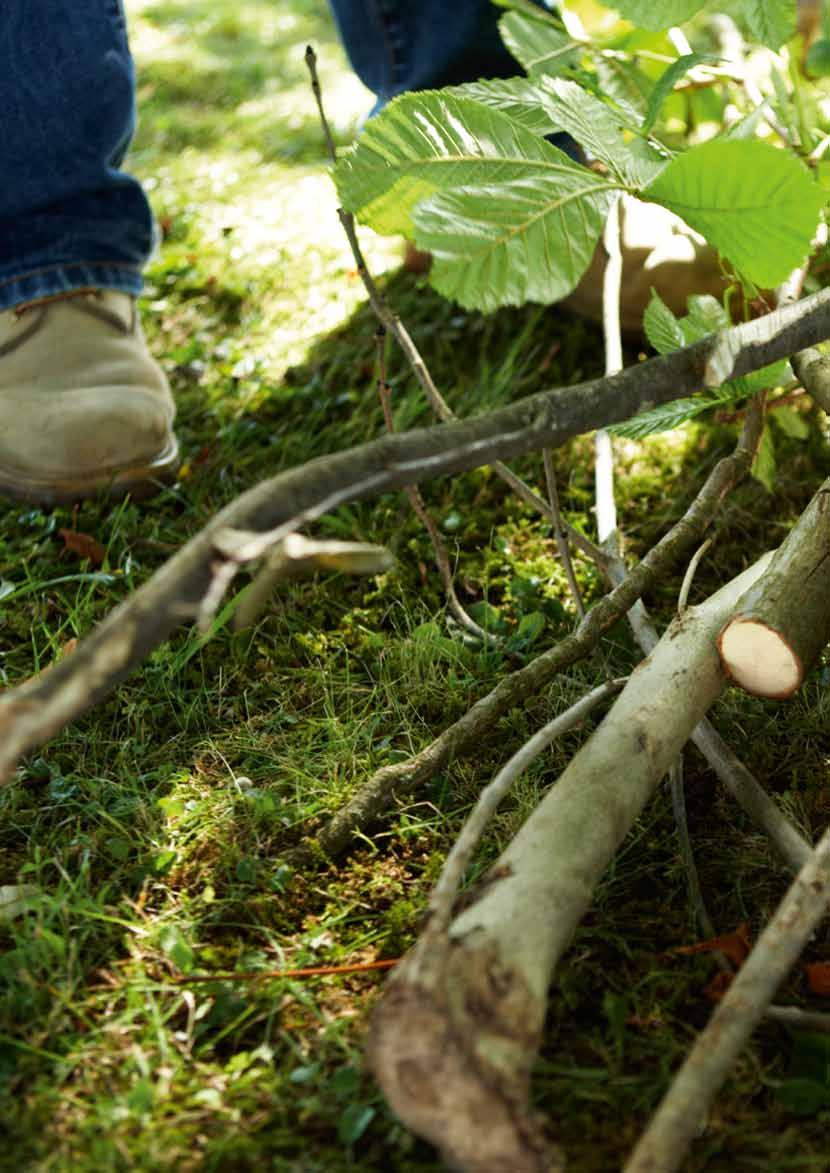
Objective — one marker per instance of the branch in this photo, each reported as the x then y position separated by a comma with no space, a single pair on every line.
39,708
395,782
468,1018
686,1105
782,624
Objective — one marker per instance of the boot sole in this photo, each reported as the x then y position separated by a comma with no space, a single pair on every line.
139,481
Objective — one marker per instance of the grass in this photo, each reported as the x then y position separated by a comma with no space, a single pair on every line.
153,831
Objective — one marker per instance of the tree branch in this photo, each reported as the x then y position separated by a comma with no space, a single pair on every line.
37,709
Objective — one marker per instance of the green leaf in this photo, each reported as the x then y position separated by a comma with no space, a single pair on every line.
657,14
353,1122
668,416
537,45
757,205
600,129
661,326
763,467
804,1097
792,423
424,143
772,22
518,97
626,84
529,240
530,628
668,80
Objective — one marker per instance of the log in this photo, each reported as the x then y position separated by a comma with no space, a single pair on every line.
782,623
455,1036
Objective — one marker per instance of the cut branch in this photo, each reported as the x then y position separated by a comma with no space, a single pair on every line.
39,708
687,1103
782,624
467,1018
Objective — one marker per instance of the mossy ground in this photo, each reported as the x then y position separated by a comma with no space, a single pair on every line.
154,829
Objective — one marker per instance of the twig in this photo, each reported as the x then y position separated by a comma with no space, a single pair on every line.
37,709
797,1019
446,889
397,781
606,508
686,1105
687,855
390,322
559,534
688,577
419,507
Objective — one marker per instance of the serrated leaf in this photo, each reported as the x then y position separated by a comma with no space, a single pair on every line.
661,326
657,14
528,240
667,80
772,22
763,467
625,84
757,205
668,416
518,97
599,129
425,143
538,46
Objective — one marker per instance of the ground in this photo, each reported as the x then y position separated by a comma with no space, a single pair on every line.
155,829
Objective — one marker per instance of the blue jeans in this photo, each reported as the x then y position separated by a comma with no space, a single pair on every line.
70,218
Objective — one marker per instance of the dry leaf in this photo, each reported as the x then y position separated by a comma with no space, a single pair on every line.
718,986
84,545
734,945
818,978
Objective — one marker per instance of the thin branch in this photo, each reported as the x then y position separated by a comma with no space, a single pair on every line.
390,321
422,513
686,1105
688,577
446,889
37,709
392,783
687,855
559,534
606,508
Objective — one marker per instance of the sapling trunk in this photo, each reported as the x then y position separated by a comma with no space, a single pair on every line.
456,1034
783,621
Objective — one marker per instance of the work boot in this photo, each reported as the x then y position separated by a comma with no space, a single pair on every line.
83,407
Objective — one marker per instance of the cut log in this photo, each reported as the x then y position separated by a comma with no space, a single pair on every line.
455,1036
782,623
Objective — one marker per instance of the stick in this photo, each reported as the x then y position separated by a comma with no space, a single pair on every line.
686,1105
37,709
467,1019
456,863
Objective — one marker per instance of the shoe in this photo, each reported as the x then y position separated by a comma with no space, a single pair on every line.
84,408
659,252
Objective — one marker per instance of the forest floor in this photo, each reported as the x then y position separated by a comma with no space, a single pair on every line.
154,830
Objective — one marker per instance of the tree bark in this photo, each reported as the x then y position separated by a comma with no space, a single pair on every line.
783,621
456,1034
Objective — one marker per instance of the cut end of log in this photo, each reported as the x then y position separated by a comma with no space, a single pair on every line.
432,1082
759,659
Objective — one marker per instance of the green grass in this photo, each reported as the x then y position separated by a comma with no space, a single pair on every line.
155,829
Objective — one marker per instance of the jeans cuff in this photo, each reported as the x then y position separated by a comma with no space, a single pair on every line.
54,279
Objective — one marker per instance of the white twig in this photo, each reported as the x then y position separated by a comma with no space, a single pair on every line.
686,1105
688,577
606,508
444,893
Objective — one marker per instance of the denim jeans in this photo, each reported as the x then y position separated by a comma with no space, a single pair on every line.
70,218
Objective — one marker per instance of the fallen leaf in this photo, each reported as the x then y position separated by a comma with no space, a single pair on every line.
84,545
818,978
735,946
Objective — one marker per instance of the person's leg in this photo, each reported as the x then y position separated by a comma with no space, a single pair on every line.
82,405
